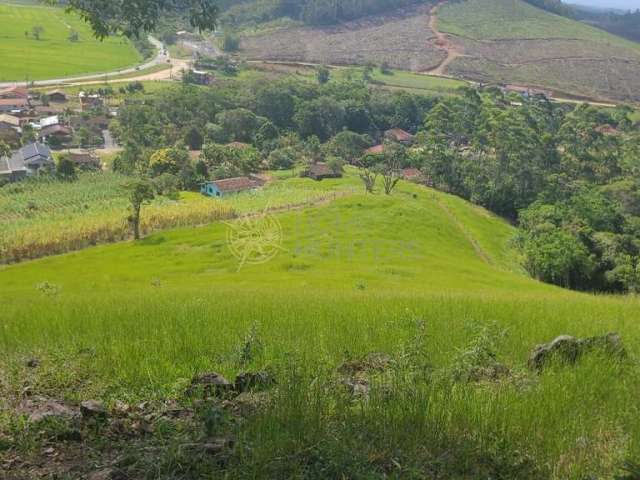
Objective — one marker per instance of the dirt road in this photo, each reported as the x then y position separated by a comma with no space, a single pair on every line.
442,41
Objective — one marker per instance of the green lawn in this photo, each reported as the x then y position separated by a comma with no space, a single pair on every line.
54,55
363,273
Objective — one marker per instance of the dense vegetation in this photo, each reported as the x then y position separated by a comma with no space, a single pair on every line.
313,12
553,6
626,25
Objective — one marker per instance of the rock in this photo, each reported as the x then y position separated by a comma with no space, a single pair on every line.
249,403
33,363
213,447
93,408
371,363
253,381
212,383
121,409
493,372
40,408
107,474
569,349
358,387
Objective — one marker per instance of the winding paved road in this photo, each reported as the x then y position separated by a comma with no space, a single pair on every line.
162,57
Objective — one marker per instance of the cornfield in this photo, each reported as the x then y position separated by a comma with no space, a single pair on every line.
40,218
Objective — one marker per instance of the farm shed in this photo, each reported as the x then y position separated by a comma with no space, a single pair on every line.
9,121
221,188
57,96
320,171
376,150
85,160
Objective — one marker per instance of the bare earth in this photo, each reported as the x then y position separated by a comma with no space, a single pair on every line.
400,39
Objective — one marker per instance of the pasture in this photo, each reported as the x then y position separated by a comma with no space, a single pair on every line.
359,274
54,54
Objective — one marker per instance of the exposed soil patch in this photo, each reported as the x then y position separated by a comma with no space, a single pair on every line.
399,39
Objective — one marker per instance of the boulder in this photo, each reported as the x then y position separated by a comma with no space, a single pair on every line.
212,383
32,363
569,349
93,408
39,408
253,381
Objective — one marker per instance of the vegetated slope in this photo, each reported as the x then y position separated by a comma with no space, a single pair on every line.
401,39
54,55
419,275
511,41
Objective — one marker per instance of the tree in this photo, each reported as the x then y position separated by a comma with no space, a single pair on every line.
230,43
5,149
134,17
277,104
282,159
169,160
239,124
193,138
141,191
368,172
323,75
66,170
37,31
322,117
347,145
391,166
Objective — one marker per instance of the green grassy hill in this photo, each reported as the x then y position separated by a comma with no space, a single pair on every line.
54,55
422,276
511,41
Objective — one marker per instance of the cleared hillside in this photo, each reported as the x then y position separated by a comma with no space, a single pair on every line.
422,277
513,42
53,54
401,38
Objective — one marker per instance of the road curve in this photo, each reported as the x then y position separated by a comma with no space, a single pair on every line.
161,57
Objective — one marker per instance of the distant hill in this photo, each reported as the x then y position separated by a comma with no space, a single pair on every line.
513,42
501,41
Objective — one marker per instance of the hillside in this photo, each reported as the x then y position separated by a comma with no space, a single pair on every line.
421,276
400,38
503,41
53,54
513,42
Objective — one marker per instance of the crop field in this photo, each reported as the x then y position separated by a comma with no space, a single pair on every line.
402,40
54,55
533,47
360,274
45,218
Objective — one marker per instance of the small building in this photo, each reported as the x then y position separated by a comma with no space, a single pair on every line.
221,188
90,101
57,96
9,121
85,160
29,160
320,171
376,150
14,105
412,175
13,93
399,135
526,92
201,77
60,133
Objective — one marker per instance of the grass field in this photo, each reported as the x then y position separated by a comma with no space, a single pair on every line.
363,273
54,55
